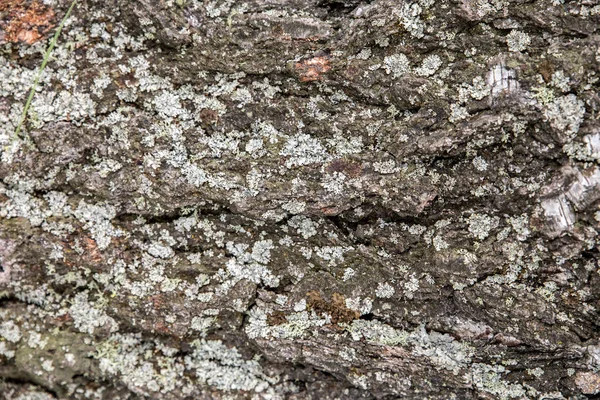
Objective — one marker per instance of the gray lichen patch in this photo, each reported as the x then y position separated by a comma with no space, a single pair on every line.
210,363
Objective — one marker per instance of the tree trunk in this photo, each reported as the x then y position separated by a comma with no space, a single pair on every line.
301,199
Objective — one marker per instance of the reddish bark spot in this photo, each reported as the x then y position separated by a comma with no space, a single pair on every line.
331,210
312,69
209,117
158,301
92,250
22,21
63,320
161,327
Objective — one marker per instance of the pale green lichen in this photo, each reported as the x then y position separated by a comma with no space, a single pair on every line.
250,265
488,378
88,316
517,40
384,290
10,331
440,349
429,66
565,114
96,218
480,225
211,363
298,324
396,64
303,150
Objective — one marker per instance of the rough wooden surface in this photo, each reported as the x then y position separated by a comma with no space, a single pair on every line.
301,199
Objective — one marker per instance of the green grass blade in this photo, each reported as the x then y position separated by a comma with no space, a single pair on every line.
39,73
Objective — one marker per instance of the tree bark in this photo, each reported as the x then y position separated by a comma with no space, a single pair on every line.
301,199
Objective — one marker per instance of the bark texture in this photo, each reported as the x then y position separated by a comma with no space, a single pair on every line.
301,199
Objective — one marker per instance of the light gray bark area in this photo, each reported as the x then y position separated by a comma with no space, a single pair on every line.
303,199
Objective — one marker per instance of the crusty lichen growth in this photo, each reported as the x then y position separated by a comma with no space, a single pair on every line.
263,200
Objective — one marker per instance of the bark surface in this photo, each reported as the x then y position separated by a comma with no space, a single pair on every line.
301,199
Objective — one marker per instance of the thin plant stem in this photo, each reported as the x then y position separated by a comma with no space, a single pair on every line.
39,73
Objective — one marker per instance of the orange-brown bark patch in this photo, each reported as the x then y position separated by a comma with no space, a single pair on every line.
336,308
312,69
26,22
